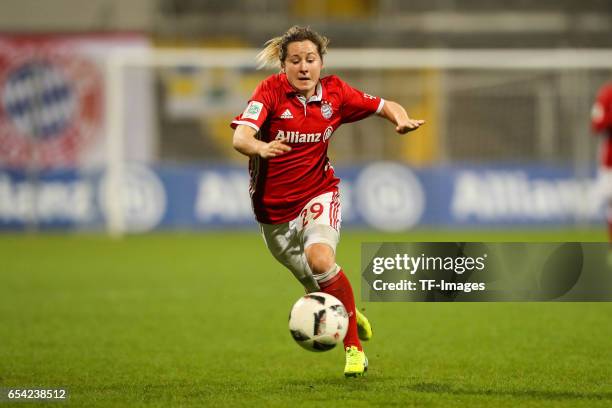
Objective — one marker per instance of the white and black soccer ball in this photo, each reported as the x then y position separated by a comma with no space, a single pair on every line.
318,321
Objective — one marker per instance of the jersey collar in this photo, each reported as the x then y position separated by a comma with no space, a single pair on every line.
317,97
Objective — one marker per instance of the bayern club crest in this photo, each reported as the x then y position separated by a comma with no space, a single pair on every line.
326,110
50,104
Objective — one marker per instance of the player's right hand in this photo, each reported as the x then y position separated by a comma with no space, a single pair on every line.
273,149
409,126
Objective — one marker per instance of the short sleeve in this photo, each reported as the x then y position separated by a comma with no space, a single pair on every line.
601,112
257,109
358,105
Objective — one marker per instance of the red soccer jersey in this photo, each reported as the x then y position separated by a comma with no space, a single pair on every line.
601,122
281,186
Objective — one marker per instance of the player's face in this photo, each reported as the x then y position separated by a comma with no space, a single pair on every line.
303,66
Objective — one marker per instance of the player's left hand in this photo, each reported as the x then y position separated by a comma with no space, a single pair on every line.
409,126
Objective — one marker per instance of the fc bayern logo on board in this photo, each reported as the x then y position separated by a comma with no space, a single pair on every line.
50,105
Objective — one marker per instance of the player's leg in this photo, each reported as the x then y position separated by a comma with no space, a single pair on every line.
608,197
609,220
330,277
284,244
605,180
321,223
332,280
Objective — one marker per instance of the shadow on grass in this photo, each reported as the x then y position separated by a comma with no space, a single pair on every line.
438,388
390,385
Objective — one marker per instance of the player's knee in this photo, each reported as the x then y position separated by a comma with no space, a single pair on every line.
320,257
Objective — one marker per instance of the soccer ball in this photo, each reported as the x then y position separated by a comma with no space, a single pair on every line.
318,321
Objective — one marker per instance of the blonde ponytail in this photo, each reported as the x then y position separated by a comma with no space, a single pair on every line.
270,55
275,49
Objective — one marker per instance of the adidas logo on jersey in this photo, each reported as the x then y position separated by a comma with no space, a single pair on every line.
286,114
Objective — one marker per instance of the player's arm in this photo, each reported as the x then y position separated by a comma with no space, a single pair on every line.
396,114
244,141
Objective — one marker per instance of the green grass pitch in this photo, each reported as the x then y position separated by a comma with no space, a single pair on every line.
196,320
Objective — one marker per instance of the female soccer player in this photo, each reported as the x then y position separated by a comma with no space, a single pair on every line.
285,130
601,122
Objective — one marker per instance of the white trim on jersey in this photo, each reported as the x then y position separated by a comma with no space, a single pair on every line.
317,97
334,211
318,93
244,122
380,105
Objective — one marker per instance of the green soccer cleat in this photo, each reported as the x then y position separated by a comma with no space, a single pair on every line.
364,328
356,362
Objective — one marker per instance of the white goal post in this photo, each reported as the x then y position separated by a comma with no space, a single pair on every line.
354,59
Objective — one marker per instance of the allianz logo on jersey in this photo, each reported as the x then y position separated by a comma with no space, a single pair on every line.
291,136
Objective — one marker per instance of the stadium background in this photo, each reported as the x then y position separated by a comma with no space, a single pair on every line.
188,308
